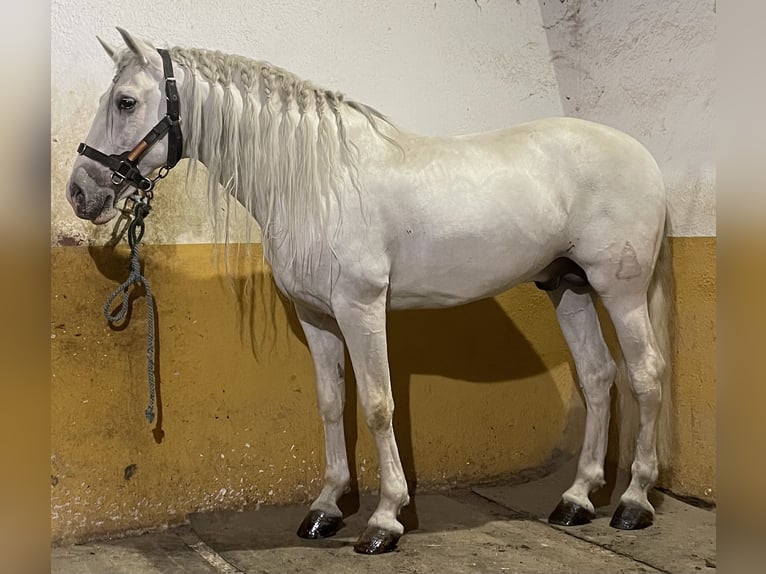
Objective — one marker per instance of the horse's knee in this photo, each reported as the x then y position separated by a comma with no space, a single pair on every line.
597,383
330,408
331,414
380,416
378,406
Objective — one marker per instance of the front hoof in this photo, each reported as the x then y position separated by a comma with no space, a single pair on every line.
568,513
376,541
631,517
319,524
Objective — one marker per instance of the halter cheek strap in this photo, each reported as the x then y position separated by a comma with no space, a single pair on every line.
175,138
124,165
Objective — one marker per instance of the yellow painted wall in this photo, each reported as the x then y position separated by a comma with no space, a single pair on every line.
693,468
482,391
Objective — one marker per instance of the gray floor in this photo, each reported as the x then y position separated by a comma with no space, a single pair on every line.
491,528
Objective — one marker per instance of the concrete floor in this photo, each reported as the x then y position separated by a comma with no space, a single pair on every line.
497,528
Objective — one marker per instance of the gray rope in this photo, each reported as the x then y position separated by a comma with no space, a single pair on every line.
135,233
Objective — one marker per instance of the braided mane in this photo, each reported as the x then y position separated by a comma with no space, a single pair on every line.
271,140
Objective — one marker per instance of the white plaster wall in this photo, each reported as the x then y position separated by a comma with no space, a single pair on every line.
433,66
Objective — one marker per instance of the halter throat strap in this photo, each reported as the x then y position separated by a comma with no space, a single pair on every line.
124,165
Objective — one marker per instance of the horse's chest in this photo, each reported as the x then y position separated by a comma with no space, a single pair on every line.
304,283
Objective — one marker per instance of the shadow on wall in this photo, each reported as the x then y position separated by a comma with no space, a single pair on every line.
440,360
472,343
477,342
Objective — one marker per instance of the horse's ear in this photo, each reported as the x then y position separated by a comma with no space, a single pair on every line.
108,48
137,46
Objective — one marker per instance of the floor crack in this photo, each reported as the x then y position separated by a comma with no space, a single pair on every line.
193,541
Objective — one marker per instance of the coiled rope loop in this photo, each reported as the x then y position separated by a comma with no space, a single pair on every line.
135,234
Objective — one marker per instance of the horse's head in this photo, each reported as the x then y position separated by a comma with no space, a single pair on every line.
127,140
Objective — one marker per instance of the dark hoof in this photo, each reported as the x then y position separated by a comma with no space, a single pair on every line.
376,541
568,513
318,524
631,517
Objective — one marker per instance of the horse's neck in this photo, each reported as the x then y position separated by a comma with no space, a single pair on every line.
270,177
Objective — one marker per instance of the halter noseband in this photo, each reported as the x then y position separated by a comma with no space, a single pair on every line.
124,166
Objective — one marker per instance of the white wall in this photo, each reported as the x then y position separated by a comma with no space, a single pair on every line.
433,66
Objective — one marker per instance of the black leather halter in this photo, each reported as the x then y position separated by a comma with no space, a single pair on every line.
124,166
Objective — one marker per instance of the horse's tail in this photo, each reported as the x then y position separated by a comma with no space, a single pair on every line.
662,317
661,300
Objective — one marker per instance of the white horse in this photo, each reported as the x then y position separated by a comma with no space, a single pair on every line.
359,217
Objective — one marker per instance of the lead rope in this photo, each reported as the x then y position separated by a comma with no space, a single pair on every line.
135,234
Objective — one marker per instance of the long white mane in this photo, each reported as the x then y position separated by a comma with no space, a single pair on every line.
271,140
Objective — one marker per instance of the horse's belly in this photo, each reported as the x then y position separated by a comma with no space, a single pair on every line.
452,272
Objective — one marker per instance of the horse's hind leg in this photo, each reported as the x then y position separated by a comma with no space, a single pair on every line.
327,352
645,364
595,370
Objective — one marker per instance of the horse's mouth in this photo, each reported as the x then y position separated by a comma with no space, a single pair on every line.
110,208
106,215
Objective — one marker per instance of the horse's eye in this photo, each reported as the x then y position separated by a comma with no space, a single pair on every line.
126,103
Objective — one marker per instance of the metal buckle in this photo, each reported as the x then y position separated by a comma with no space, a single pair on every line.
146,185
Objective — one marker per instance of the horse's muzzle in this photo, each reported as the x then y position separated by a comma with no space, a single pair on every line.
94,206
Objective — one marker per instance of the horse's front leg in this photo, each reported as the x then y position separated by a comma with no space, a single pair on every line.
363,323
327,351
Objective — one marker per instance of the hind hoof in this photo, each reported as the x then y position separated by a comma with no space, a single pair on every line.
631,517
376,541
319,524
568,513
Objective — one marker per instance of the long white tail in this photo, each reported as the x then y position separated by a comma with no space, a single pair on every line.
661,299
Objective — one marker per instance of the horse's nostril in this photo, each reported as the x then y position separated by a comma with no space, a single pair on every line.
77,195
